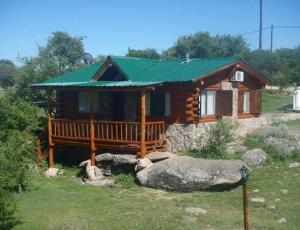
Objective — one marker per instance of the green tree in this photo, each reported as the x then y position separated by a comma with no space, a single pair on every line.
61,54
7,69
203,45
266,62
146,53
19,123
290,59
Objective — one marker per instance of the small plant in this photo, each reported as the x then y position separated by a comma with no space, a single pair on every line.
279,131
126,180
212,142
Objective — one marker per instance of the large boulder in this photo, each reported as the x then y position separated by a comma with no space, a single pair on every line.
159,156
254,157
117,159
186,174
121,159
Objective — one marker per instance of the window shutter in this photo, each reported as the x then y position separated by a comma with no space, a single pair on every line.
241,102
167,104
255,101
224,102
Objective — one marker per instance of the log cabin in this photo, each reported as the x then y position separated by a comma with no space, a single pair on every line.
126,104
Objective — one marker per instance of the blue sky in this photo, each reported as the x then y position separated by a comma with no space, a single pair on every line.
112,26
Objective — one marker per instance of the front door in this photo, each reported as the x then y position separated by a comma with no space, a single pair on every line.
118,106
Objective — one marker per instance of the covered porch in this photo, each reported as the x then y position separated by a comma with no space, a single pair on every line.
138,136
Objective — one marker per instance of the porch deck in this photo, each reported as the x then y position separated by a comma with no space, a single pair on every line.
109,135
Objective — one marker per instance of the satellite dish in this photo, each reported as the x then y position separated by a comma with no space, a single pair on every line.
87,58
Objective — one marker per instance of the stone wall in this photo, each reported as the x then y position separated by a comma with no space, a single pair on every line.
181,137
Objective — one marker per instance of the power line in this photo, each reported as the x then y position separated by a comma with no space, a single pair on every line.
254,31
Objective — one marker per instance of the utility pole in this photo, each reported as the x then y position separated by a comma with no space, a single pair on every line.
260,25
272,37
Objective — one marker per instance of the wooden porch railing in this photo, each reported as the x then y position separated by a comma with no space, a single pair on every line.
107,131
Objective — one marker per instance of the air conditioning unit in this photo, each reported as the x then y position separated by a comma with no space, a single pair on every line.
238,76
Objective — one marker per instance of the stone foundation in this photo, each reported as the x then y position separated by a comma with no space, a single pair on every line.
181,137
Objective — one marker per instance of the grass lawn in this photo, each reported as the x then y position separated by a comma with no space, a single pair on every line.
272,100
64,203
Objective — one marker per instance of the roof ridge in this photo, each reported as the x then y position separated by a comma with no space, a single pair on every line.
174,59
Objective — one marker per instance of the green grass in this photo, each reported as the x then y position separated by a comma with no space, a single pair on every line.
64,203
292,123
272,100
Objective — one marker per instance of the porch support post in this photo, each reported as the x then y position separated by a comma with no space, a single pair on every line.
50,142
143,123
92,129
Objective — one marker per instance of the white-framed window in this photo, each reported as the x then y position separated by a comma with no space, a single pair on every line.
246,102
158,104
83,102
207,103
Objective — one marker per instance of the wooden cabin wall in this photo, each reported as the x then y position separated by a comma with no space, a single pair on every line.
184,99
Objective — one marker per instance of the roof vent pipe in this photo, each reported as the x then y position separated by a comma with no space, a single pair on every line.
187,57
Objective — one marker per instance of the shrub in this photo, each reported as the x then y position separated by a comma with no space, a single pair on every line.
19,123
212,142
280,131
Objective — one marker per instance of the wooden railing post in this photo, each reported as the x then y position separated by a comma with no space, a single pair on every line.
92,128
143,124
51,145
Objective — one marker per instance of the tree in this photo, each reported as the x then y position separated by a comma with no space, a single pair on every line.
19,124
290,59
100,59
7,69
61,54
203,45
65,51
147,53
266,62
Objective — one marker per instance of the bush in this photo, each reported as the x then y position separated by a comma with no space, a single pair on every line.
212,142
280,131
19,123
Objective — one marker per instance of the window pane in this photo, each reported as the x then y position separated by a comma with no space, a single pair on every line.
83,102
246,106
211,96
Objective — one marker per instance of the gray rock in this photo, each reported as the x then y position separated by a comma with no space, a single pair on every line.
196,211
257,200
104,157
255,190
271,207
122,159
294,165
282,220
142,164
254,157
284,191
159,156
84,163
183,173
117,159
53,172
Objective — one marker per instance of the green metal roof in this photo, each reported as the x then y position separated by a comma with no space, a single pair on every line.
105,84
141,72
141,69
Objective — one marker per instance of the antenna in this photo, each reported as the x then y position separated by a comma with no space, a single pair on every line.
88,58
